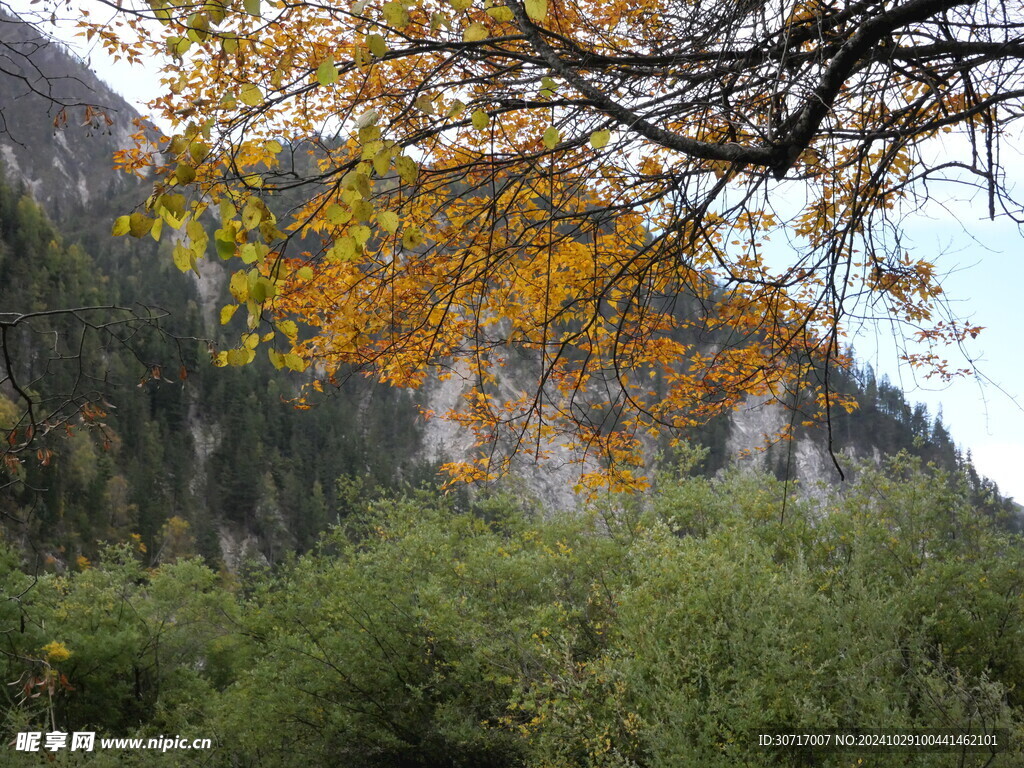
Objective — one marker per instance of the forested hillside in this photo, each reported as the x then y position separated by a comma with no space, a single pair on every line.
186,457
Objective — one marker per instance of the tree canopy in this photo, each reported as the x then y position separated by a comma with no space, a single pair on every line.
655,210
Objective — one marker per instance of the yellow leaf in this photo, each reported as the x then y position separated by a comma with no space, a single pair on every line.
227,312
182,258
139,224
239,286
377,46
501,13
337,214
289,328
358,182
248,253
425,104
382,161
480,119
250,94
551,137
395,14
326,74
185,174
360,233
344,249
599,139
238,357
412,237
407,169
537,10
388,221
121,226
474,33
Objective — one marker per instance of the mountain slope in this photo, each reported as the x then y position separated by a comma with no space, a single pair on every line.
218,461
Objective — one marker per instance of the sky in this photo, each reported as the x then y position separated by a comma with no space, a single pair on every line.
983,266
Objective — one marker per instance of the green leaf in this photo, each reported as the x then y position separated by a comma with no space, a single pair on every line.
412,237
382,161
304,273
344,249
395,14
178,46
357,181
139,224
377,46
326,73
250,94
259,290
501,13
480,119
537,10
252,7
407,169
360,233
248,253
388,221
362,210
197,150
475,32
425,104
185,174
460,5
599,139
173,204
337,214
438,20
121,226
225,245
551,137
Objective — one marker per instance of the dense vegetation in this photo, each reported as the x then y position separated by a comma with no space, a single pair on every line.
197,449
422,634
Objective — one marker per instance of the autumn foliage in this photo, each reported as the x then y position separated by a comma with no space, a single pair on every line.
657,210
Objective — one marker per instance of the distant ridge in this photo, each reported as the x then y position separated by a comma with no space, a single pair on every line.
43,84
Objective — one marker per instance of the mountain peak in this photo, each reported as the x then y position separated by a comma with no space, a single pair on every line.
44,84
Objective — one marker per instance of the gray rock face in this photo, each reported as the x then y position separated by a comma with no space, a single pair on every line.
68,165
